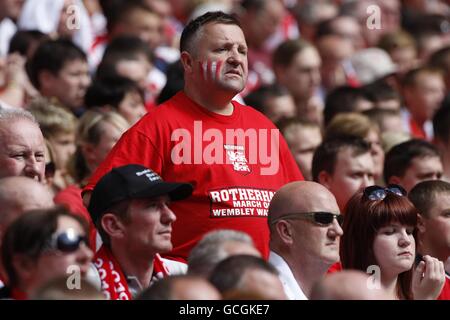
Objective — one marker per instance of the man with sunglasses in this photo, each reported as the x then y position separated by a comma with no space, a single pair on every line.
129,207
41,246
305,227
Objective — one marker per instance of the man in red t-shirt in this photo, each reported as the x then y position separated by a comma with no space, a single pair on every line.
432,199
233,155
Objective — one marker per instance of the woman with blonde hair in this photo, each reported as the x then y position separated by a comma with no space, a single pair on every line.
97,132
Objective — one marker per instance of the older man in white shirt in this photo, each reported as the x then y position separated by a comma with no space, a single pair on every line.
305,228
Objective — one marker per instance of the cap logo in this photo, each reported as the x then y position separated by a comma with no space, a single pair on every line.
149,174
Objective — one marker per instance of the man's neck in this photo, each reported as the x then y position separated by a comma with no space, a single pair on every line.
220,104
301,106
305,272
428,249
135,265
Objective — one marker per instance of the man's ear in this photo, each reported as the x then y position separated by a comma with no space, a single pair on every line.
284,231
24,267
324,179
113,226
187,61
46,80
421,224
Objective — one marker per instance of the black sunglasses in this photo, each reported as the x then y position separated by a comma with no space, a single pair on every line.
321,218
66,241
379,193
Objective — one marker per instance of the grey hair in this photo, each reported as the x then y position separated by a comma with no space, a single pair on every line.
15,114
210,250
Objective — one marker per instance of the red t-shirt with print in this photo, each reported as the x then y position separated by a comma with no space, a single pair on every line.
234,179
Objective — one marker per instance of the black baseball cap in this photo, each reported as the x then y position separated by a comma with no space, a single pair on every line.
132,181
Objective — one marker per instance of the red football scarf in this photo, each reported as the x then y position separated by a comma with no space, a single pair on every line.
113,282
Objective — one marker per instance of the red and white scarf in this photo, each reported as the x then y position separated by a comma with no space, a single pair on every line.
113,281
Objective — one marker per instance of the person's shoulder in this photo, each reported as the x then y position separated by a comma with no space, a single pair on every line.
164,112
254,115
72,189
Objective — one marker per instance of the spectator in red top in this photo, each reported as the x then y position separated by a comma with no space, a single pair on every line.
432,200
423,92
203,136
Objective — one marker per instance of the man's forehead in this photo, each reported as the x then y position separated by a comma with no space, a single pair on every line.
162,198
433,162
319,200
349,157
222,31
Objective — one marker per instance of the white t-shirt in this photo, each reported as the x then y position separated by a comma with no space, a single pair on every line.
290,285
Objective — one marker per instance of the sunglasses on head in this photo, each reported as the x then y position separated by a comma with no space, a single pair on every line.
379,193
66,241
321,218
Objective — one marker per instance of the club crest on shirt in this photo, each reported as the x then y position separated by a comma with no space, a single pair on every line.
236,156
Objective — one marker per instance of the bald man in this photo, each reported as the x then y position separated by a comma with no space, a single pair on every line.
181,287
17,195
304,235
347,285
217,245
20,194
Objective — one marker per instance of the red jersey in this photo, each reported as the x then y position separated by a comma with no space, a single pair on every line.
235,163
445,293
70,197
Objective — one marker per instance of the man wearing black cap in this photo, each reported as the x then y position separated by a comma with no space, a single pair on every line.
129,207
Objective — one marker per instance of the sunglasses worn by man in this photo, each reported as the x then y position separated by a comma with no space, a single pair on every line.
379,193
66,241
320,218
